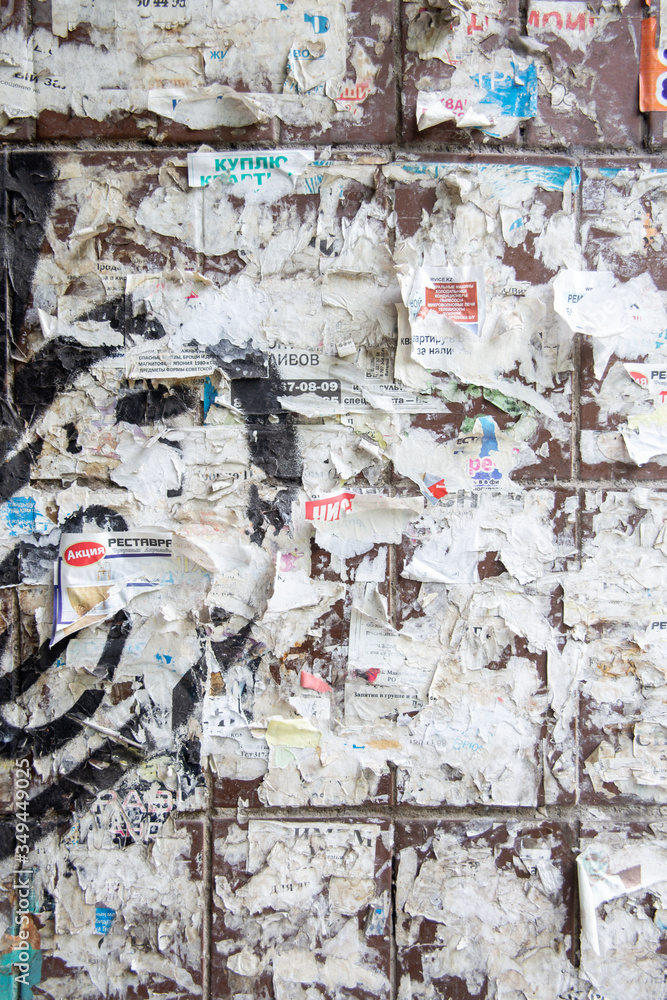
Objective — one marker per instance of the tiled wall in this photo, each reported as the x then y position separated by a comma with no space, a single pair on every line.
326,762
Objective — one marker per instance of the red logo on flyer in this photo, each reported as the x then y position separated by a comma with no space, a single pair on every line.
639,379
84,553
438,490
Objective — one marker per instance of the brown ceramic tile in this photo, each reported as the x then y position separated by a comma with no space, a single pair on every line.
623,862
622,232
482,651
475,900
87,944
586,99
431,210
476,38
14,17
301,905
370,71
622,687
368,88
258,778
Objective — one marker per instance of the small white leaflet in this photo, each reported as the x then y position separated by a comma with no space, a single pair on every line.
594,303
261,166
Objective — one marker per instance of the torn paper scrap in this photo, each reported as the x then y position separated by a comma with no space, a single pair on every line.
369,517
638,766
653,378
594,303
18,91
455,293
646,435
160,361
334,849
603,876
296,732
206,107
652,69
573,21
494,102
480,458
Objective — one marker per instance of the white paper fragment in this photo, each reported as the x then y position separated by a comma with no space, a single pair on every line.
594,303
604,875
263,167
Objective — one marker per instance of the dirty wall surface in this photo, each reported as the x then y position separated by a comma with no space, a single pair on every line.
333,547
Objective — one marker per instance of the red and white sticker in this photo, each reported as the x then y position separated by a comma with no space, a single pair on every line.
329,508
457,300
650,377
84,553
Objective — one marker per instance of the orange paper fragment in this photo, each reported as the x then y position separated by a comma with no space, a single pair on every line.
652,70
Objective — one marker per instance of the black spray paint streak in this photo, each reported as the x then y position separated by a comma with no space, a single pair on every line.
97,516
151,406
188,693
54,735
30,189
274,447
27,195
15,472
276,513
9,569
52,370
76,790
56,366
235,362
73,446
41,661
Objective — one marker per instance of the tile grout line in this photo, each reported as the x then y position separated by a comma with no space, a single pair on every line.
564,812
207,880
397,38
576,346
393,920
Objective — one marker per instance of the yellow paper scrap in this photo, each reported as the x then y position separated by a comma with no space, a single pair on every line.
291,733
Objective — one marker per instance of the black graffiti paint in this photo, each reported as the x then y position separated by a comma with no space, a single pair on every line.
54,735
270,432
276,513
73,446
38,663
53,369
188,693
9,569
10,422
15,471
233,648
35,564
273,444
56,366
28,187
154,404
96,516
236,362
101,770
